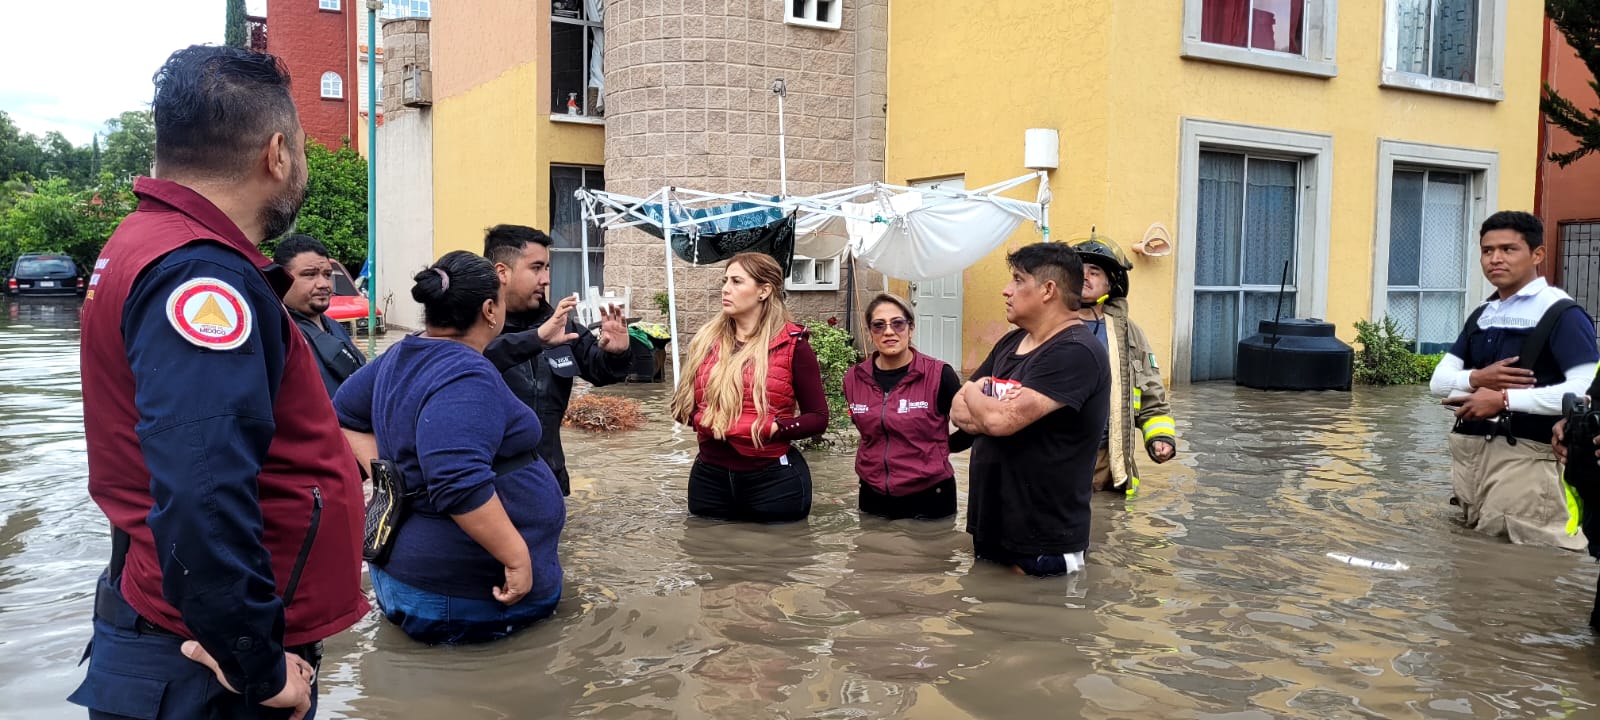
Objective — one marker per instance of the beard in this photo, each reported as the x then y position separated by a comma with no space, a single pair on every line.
279,214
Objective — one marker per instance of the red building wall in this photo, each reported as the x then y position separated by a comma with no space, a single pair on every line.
312,41
1571,193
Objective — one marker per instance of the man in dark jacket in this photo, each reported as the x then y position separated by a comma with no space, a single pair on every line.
306,261
542,347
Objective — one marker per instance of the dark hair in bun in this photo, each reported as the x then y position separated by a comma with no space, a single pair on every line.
452,290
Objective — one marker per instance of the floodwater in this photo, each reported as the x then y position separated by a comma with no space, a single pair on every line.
1221,592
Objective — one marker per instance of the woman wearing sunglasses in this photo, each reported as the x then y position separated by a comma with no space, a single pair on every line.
900,402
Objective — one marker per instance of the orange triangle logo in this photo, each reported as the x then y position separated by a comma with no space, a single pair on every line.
210,313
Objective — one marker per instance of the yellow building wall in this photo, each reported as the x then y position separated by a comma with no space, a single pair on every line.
361,136
967,79
493,139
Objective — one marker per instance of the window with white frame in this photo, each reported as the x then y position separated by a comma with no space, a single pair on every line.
1429,213
1246,243
1425,272
332,86
328,5
566,231
813,273
1256,201
1448,46
401,9
826,14
577,58
1288,35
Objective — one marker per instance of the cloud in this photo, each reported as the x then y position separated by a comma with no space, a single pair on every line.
73,65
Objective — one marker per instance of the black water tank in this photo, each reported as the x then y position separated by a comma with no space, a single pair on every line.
1295,354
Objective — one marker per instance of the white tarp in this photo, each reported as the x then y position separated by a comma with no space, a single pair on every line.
904,233
820,236
927,238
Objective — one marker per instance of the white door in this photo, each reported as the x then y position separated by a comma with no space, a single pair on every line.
938,302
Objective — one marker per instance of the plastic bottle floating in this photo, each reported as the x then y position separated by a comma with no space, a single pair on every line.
1373,564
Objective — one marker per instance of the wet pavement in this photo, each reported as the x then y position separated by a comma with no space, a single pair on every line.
1299,561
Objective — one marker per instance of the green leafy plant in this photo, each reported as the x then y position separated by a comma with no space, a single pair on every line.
52,216
335,210
836,353
1385,356
663,303
1422,366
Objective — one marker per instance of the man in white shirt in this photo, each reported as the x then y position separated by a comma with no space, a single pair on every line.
1519,352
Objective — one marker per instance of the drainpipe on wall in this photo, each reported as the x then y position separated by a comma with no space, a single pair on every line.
373,6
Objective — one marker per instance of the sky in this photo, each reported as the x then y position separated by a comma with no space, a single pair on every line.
70,66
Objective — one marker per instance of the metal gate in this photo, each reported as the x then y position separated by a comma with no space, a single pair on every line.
1580,264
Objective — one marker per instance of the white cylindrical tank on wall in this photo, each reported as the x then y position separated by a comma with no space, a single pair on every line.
1041,149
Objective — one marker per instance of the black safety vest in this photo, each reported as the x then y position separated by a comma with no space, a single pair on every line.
1531,356
337,357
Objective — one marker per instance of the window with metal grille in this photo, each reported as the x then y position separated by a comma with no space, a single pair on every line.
1428,220
1580,263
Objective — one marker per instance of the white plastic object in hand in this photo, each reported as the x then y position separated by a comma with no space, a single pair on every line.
589,308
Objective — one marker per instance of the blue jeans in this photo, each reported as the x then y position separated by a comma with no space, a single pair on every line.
137,671
444,620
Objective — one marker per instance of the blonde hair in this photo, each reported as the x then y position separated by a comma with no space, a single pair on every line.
724,393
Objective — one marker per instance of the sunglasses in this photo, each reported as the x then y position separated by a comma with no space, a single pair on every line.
899,325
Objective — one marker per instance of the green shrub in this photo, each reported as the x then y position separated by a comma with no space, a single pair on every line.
1423,366
836,353
1385,356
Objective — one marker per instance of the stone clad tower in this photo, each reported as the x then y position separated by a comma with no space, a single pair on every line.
689,102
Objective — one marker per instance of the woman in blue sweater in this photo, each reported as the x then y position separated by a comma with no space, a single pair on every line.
476,559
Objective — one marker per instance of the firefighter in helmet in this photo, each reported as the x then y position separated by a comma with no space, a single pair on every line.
1139,410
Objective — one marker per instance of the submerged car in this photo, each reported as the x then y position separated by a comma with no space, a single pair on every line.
349,305
45,274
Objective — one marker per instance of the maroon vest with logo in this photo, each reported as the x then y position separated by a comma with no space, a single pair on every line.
307,449
904,438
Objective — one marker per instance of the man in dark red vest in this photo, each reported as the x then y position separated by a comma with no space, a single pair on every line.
235,503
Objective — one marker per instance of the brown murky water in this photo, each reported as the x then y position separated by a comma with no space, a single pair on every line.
1213,595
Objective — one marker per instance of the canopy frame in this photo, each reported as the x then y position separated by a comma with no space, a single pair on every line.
609,210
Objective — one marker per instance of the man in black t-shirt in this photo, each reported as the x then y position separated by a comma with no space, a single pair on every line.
1037,406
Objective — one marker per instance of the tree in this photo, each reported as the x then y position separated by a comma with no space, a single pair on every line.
1579,22
62,159
335,210
21,154
56,217
130,144
235,34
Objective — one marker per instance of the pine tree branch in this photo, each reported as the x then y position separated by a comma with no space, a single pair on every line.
1579,23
